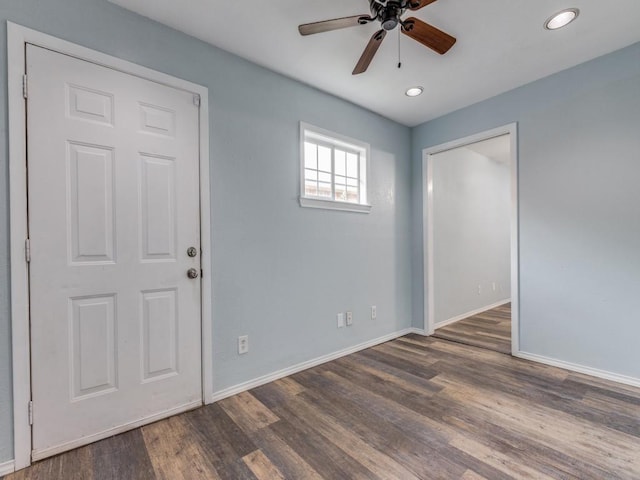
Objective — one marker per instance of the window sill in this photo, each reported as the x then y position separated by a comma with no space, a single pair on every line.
333,205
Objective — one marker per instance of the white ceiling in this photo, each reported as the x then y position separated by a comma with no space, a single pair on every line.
501,45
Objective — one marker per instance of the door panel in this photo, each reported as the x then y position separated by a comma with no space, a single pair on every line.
113,207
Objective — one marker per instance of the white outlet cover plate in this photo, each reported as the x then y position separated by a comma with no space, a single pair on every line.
243,344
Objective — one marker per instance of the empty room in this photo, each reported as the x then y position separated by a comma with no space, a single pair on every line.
375,239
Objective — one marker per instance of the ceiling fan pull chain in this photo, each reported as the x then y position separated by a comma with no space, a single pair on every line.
399,58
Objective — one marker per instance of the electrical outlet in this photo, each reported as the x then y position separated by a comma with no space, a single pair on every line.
243,344
374,312
493,284
479,289
340,318
349,319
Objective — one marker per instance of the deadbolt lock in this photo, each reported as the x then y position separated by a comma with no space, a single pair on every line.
192,251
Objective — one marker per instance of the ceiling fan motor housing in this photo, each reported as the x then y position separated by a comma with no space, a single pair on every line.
388,13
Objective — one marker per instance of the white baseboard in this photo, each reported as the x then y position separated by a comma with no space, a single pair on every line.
48,452
594,372
419,331
256,382
457,318
7,467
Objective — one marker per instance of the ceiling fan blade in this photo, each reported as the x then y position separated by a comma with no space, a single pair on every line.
428,35
334,24
369,52
418,4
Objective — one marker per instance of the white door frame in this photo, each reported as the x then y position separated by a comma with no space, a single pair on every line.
17,37
427,225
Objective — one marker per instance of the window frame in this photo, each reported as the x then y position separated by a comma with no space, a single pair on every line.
327,138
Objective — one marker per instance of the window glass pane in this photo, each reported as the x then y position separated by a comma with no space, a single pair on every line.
324,177
340,162
333,169
352,194
324,158
310,155
311,188
324,189
352,165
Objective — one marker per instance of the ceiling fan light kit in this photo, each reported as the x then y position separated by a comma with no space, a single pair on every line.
389,14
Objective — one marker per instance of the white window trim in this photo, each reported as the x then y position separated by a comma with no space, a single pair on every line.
342,141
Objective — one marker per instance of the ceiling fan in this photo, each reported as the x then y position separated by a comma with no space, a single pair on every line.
388,13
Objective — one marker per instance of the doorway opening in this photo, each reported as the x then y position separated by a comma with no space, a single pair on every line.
471,240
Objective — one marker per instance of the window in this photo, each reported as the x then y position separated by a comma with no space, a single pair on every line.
333,170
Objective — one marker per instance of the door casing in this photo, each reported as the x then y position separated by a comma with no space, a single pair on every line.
427,223
17,38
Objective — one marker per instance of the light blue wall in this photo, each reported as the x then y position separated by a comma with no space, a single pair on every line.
579,187
471,232
280,272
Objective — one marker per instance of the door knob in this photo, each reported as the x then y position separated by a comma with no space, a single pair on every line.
192,273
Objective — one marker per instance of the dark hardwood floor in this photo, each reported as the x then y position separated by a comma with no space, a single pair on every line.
412,408
490,329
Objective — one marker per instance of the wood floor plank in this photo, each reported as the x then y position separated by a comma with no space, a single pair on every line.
373,459
289,385
484,356
248,412
419,447
413,408
619,452
522,448
222,441
74,465
122,456
471,475
497,460
490,330
288,461
174,453
319,452
439,410
262,467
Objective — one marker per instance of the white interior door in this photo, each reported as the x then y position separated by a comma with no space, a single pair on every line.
113,209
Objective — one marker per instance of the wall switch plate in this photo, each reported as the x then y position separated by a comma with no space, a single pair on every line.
340,318
374,312
243,344
349,319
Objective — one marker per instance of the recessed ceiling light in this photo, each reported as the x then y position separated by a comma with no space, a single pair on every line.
414,91
561,19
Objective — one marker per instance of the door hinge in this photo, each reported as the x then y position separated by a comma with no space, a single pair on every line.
30,412
27,250
25,89
196,100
